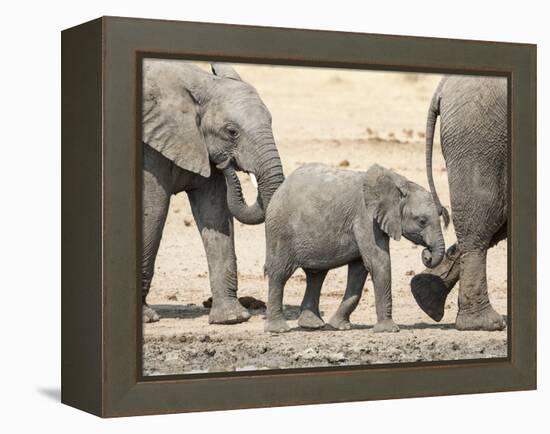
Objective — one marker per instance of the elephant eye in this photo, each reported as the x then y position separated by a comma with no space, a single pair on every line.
422,221
232,132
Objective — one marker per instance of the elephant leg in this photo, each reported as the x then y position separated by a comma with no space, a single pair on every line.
156,200
381,279
477,223
474,308
431,287
310,317
215,224
357,274
275,320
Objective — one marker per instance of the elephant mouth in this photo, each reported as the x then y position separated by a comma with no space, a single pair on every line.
415,238
268,181
233,162
432,253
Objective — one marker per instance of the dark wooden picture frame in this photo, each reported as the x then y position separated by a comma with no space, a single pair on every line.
101,227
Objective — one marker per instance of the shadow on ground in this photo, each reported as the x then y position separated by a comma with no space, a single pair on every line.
51,393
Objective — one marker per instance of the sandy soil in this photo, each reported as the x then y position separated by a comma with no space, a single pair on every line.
343,118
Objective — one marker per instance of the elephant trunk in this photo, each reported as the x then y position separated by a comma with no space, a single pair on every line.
434,253
269,176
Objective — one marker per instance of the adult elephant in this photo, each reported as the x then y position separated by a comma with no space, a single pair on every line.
198,129
474,139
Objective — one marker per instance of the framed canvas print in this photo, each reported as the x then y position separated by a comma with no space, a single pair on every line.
262,217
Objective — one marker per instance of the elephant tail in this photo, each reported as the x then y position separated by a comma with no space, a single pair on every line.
433,113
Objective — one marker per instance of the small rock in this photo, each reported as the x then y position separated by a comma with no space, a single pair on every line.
172,356
187,222
207,303
336,357
308,354
210,352
410,273
177,211
344,163
173,297
252,303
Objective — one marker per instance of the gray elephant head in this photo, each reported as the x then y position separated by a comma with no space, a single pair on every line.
401,207
195,118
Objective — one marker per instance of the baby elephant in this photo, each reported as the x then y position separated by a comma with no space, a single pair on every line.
322,218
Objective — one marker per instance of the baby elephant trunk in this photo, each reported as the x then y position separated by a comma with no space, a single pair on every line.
434,253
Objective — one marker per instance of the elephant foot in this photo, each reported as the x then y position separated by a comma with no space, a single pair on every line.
339,322
431,287
276,326
228,311
487,319
309,320
430,293
386,326
149,314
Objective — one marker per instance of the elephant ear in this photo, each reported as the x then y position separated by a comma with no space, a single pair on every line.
384,192
224,70
171,118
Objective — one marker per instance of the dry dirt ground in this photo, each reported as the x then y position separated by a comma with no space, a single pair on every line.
342,118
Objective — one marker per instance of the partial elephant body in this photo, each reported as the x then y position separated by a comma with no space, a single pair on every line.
198,128
474,137
322,218
161,179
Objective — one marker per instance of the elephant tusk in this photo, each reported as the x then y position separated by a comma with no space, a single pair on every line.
253,180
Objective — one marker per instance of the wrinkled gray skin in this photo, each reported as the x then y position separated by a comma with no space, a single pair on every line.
198,129
473,112
322,218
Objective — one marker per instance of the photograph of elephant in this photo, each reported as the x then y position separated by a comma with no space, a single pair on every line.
298,217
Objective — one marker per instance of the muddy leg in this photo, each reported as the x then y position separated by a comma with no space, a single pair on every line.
215,224
156,200
275,320
357,274
381,279
431,287
310,317
474,308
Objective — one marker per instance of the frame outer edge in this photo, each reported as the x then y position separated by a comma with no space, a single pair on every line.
123,393
81,211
